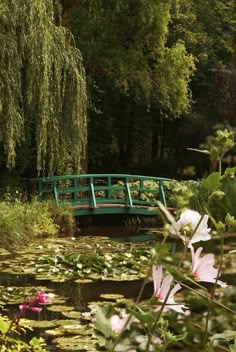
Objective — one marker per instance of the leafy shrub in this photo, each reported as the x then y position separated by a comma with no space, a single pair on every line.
198,196
63,217
20,223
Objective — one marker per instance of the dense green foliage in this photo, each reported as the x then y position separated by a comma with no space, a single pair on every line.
42,89
23,223
136,79
208,31
159,74
140,65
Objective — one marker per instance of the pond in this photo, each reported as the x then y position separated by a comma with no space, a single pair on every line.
78,272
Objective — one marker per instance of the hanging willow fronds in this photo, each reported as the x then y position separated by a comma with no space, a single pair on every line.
42,87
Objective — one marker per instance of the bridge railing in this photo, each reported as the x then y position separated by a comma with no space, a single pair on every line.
95,189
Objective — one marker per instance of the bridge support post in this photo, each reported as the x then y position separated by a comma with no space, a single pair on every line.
162,193
92,198
128,198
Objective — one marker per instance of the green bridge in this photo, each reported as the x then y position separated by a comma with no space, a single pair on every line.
104,193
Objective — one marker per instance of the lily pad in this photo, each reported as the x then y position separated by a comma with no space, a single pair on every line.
55,332
4,252
37,323
59,308
63,322
76,343
72,314
111,296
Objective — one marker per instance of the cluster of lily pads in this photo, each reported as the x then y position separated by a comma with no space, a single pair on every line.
60,263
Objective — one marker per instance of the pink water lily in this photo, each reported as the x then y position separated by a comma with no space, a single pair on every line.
24,307
162,288
32,303
197,231
203,268
41,297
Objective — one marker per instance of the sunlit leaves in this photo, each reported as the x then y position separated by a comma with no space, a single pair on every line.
43,89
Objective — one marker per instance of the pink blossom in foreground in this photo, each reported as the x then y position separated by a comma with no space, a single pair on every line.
191,218
118,323
203,268
162,287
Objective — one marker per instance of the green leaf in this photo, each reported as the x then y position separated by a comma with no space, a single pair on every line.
226,335
102,324
230,171
177,274
212,182
142,316
209,348
180,337
232,348
4,326
202,151
162,248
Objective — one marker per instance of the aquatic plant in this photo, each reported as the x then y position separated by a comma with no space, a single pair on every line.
32,303
11,338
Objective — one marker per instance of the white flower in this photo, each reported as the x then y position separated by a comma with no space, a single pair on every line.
198,231
162,288
203,268
117,323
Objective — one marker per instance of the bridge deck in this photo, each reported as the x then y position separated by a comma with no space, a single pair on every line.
106,193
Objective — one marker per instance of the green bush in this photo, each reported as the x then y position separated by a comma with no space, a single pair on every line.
63,217
21,223
197,196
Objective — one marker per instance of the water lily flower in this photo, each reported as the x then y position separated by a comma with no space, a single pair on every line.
117,323
189,229
162,288
24,307
203,268
32,303
41,297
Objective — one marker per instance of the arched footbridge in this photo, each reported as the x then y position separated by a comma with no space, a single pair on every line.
105,193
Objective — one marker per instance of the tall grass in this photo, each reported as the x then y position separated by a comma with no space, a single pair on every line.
21,223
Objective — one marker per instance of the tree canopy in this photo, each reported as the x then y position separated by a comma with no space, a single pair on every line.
127,48
133,73
159,73
42,87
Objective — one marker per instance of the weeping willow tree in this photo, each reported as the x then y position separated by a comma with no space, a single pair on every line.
42,87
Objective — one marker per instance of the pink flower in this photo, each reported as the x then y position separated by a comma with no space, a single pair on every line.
32,303
41,297
118,323
24,307
162,287
191,218
203,268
